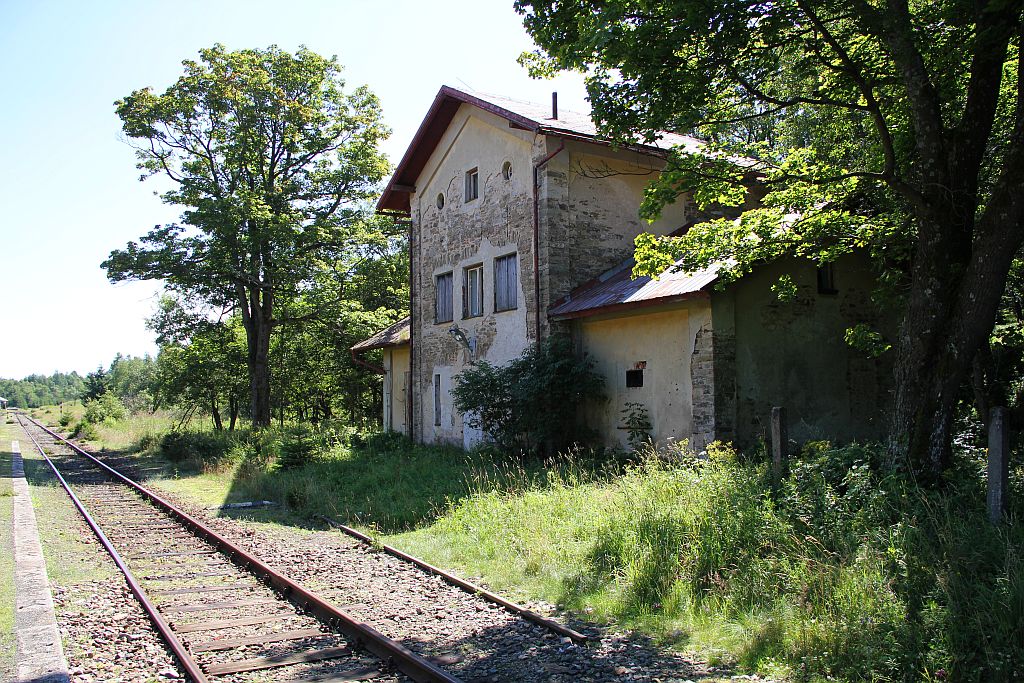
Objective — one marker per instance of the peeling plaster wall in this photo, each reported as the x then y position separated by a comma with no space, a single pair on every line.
463,234
396,378
793,354
588,201
590,198
666,342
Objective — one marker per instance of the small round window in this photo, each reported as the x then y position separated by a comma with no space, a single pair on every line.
440,200
506,170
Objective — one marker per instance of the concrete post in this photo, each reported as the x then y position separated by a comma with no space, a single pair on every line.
780,443
998,464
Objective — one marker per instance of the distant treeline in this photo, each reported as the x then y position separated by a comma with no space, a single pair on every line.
39,390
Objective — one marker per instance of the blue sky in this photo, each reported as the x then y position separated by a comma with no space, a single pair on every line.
69,190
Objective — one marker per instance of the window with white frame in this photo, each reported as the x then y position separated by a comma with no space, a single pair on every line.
472,185
444,304
473,292
506,282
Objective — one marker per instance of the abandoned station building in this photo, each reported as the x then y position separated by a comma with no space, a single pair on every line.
522,222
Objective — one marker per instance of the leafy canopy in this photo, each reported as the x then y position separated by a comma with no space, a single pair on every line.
271,159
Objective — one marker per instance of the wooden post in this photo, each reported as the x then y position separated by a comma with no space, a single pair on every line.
998,464
780,443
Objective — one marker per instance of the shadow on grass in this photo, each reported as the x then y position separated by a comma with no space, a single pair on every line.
393,486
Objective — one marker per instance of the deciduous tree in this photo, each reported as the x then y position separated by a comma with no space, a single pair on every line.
272,161
892,126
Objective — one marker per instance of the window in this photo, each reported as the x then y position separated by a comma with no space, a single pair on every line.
443,305
440,200
827,279
634,379
506,282
472,185
437,400
506,170
473,292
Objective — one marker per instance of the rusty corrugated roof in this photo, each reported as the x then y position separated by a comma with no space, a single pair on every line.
617,290
395,335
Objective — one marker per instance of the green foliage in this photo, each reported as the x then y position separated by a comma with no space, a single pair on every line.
37,390
297,448
877,128
104,410
273,164
198,446
637,421
85,430
845,574
531,402
862,337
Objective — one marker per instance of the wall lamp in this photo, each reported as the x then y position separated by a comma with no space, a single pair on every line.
459,335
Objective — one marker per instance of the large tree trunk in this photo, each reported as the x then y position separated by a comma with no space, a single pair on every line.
257,307
949,316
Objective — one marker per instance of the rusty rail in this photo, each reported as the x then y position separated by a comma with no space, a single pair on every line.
190,665
519,610
408,662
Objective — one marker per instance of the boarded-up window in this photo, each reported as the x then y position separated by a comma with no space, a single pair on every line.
445,302
827,279
473,292
437,400
506,282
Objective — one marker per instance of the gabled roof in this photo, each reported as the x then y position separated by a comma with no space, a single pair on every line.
616,290
394,335
523,115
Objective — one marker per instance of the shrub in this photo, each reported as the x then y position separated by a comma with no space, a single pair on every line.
105,409
206,448
65,420
85,430
531,403
297,447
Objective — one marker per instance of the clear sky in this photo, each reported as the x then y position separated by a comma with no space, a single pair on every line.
69,190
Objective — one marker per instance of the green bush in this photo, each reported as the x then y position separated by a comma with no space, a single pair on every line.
297,447
105,409
85,430
532,403
65,420
203,448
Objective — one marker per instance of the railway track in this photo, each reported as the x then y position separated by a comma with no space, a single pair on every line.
226,615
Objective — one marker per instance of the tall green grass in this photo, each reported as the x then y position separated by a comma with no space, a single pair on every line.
843,574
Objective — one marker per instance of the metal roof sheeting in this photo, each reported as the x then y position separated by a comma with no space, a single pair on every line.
616,290
395,335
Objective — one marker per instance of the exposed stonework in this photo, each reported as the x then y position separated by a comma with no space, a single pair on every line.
702,380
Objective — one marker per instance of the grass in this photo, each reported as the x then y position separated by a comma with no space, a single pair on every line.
7,641
843,573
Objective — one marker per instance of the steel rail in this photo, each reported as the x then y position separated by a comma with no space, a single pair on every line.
191,666
467,586
390,651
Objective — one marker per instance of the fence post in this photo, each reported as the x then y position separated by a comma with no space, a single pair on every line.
998,464
780,443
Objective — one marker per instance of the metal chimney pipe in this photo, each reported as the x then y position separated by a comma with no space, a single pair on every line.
554,106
